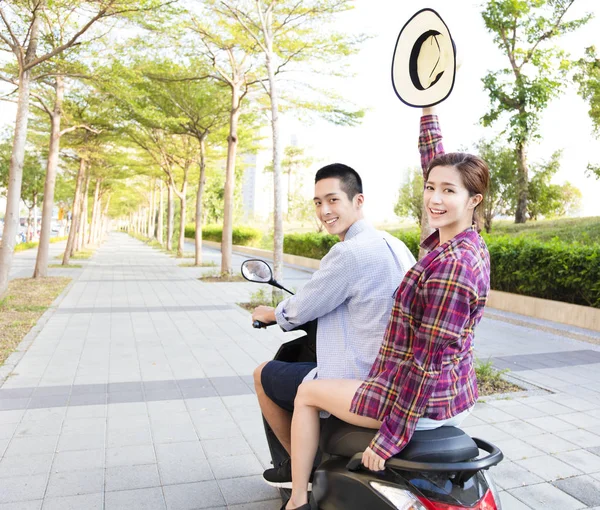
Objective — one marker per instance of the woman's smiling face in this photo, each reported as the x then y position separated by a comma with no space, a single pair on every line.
448,202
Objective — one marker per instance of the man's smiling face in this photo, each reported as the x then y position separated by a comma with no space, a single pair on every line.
334,209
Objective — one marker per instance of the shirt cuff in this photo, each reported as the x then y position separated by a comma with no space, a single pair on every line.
384,447
280,317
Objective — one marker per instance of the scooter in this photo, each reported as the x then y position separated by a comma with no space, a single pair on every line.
439,469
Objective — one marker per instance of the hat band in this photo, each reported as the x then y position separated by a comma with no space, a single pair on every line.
414,55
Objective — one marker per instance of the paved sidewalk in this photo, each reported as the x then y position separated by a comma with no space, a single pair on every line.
24,262
137,393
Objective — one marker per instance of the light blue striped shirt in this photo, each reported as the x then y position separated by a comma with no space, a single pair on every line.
352,295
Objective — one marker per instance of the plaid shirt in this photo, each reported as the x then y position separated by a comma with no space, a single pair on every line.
430,139
425,365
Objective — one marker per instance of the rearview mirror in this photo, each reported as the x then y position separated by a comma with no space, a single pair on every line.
257,271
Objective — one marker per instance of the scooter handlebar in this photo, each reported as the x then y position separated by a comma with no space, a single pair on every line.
261,325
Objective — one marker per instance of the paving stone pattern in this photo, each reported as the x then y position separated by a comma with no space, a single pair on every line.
137,393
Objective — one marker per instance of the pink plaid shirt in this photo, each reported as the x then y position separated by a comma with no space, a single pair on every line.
425,364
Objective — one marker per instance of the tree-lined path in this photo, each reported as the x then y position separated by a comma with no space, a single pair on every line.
137,393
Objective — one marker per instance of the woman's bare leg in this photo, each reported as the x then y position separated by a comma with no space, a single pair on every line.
333,396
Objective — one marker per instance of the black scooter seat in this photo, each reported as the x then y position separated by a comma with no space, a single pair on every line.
444,444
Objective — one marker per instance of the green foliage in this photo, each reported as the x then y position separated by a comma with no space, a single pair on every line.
588,78
537,71
411,238
34,173
547,199
410,197
242,235
316,245
550,270
485,371
312,244
262,297
569,230
501,197
34,244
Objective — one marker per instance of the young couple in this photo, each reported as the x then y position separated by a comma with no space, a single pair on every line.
421,376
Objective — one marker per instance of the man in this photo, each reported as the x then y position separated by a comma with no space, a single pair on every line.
351,295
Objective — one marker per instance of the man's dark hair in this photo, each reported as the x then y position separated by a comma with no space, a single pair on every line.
350,181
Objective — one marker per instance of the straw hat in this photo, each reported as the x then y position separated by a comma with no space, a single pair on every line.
424,63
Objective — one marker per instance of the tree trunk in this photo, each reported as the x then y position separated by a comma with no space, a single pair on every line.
199,194
103,227
522,183
277,188
159,228
232,141
289,194
182,213
83,227
15,181
41,261
96,234
29,233
487,223
95,207
150,212
170,214
153,210
75,212
15,169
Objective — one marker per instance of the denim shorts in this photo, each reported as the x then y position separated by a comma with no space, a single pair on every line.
280,381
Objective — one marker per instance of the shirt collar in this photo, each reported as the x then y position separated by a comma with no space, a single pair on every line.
356,228
434,239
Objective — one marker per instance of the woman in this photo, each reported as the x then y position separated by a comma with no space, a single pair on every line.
423,376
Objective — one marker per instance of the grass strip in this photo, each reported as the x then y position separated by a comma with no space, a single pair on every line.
33,244
26,300
191,264
490,381
80,255
222,278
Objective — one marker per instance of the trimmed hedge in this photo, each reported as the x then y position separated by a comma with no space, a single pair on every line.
315,246
241,235
549,270
312,244
412,240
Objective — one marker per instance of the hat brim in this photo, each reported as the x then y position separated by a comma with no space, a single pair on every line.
401,78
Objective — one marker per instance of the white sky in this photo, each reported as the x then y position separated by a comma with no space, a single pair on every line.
384,145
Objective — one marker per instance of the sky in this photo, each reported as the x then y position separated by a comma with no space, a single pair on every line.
384,145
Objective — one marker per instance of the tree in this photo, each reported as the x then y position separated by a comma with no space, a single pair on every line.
55,114
288,32
547,199
293,162
537,73
22,35
588,78
33,181
198,109
410,197
231,57
501,195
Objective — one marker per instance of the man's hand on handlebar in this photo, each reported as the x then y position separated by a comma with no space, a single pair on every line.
264,314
